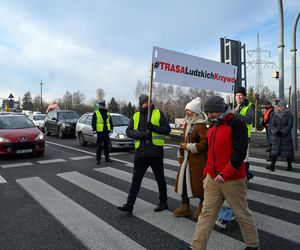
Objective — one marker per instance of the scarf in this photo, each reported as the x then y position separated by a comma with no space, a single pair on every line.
282,113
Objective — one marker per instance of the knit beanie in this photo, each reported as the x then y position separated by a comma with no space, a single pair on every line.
214,104
194,105
142,99
282,103
102,103
241,90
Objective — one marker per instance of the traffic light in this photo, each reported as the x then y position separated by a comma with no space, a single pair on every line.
275,74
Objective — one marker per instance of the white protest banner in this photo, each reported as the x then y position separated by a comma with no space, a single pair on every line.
190,71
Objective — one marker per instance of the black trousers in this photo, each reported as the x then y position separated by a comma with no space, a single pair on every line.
102,138
140,167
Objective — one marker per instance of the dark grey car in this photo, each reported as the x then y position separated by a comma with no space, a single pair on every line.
61,123
118,138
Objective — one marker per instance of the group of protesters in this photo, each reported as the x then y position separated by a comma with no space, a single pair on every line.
213,160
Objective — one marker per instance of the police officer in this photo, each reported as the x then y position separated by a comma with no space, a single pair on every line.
102,125
149,151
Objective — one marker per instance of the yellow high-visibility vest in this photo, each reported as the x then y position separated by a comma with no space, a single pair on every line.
243,112
157,139
100,123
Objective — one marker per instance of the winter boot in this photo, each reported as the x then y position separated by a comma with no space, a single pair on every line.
183,210
197,211
249,174
289,167
272,165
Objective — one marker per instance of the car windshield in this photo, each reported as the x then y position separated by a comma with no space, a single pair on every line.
67,115
15,122
39,117
120,120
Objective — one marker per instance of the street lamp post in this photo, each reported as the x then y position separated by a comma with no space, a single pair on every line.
41,83
294,82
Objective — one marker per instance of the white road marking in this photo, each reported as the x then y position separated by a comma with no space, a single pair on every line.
77,158
16,165
181,228
93,232
2,180
51,161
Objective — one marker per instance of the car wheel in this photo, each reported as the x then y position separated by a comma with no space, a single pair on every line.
41,153
60,133
81,140
47,131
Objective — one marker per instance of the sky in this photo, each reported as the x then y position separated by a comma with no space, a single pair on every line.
83,45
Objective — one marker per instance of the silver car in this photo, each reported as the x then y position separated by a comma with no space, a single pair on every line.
118,138
38,120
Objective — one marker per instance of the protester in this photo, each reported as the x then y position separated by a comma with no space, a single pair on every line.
225,175
266,122
149,151
192,158
281,136
245,111
102,125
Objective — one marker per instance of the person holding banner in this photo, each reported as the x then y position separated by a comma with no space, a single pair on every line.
149,151
191,158
225,175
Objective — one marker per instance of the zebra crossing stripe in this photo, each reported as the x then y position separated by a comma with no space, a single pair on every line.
2,180
84,157
278,163
181,228
51,161
263,222
257,180
87,227
278,172
16,165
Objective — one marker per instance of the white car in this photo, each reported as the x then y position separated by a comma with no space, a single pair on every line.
118,137
38,120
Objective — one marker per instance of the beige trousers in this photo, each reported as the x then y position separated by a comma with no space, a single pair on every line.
234,192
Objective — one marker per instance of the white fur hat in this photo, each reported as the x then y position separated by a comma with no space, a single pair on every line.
194,105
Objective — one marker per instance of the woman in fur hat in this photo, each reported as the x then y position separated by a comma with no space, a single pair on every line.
281,135
192,158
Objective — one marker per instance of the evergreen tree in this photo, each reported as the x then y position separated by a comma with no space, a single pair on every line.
113,106
27,101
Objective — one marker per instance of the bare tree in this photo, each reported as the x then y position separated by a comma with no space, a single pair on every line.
78,99
67,100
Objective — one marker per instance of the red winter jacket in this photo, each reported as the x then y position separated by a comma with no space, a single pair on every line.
227,149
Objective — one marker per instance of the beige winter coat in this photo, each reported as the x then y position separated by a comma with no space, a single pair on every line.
194,158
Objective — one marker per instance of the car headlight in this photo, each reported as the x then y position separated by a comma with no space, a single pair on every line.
41,136
121,136
66,125
2,139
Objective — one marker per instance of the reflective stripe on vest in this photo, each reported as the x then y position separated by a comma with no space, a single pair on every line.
157,139
100,123
243,112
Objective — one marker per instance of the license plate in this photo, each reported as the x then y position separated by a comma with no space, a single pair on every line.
24,151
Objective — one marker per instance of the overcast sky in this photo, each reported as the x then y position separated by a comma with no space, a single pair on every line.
88,44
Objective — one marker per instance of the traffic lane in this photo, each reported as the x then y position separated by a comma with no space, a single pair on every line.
26,225
58,158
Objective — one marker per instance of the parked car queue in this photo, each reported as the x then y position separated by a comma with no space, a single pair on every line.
20,134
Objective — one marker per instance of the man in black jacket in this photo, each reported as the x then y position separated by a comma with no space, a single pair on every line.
102,125
149,145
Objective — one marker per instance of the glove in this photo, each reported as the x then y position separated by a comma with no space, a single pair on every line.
180,160
183,146
95,134
279,133
149,125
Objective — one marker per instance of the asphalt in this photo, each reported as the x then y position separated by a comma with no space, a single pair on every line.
258,147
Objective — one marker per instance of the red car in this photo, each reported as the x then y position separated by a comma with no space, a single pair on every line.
18,135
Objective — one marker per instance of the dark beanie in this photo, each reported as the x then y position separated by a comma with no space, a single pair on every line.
214,104
102,103
143,99
241,90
